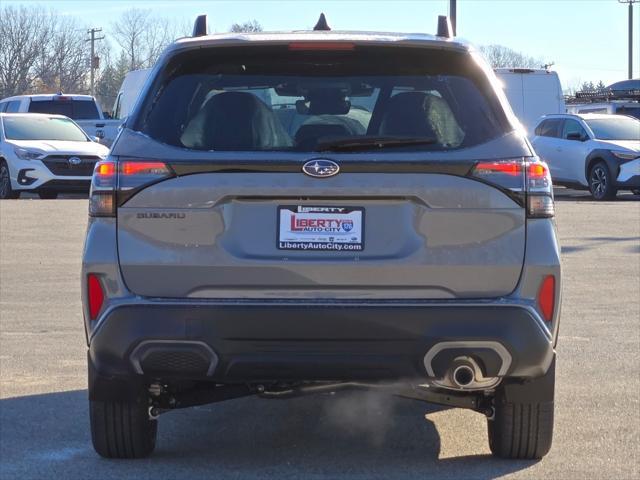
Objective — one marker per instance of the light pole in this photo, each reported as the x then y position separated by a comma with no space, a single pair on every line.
453,15
630,2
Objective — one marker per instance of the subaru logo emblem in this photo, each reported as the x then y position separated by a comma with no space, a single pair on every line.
321,168
74,161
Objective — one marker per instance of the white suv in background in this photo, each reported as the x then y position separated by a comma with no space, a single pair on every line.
595,151
45,154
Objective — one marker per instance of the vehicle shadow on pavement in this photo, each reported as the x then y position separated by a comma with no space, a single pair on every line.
343,435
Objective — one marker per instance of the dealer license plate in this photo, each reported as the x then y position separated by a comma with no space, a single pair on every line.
304,227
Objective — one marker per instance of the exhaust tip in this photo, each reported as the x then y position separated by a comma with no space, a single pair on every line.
463,376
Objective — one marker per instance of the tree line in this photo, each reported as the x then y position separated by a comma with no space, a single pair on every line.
43,52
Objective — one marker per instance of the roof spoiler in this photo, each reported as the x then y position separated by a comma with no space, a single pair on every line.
444,27
200,26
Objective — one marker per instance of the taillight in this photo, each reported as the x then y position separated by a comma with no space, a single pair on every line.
539,191
103,186
114,182
529,181
547,297
95,294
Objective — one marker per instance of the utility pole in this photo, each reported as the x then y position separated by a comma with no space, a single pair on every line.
94,62
630,2
453,15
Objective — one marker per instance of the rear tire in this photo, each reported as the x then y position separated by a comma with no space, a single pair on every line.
6,192
46,195
521,430
122,429
601,182
522,427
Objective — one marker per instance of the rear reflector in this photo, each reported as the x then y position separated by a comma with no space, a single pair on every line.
95,295
318,46
547,297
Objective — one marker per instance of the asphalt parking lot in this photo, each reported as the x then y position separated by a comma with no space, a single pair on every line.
44,428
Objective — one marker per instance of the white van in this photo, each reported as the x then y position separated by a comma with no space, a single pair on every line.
532,93
128,93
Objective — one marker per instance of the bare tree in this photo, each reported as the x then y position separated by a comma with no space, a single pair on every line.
62,62
23,34
250,26
500,56
143,36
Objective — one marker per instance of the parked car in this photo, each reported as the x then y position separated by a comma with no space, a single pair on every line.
594,151
83,109
45,154
620,98
228,254
532,93
613,107
128,94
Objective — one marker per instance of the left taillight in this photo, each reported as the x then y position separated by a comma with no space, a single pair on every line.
95,295
117,180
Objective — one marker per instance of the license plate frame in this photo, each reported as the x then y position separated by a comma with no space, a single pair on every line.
341,228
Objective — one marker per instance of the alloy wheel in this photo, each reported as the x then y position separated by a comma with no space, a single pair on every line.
599,182
5,182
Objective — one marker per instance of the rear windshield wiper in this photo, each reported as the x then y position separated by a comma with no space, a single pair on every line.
370,143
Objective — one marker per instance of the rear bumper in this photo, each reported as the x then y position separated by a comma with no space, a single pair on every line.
293,341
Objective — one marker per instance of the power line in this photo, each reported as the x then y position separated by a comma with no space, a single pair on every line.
94,62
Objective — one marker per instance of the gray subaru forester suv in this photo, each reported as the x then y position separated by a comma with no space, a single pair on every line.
292,213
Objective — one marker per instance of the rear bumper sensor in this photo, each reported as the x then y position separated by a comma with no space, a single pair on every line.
174,357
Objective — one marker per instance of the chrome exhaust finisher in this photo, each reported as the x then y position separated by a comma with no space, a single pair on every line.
464,372
463,376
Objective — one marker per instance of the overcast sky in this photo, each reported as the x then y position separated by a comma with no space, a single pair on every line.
587,39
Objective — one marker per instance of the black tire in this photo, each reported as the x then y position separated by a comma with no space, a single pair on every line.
601,182
6,192
522,426
521,430
48,195
122,429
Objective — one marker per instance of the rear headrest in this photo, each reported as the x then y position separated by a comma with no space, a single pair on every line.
234,121
407,115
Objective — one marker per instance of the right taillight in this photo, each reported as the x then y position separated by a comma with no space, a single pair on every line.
114,182
539,190
528,180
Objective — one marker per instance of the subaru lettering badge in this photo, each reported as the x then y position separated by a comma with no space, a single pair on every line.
74,161
321,168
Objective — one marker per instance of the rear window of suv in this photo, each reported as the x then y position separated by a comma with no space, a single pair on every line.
75,109
272,98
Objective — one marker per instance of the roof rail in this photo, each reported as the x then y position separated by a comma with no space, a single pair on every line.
322,24
607,95
200,26
444,27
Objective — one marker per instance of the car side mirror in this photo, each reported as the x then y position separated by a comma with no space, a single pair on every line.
107,115
575,136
